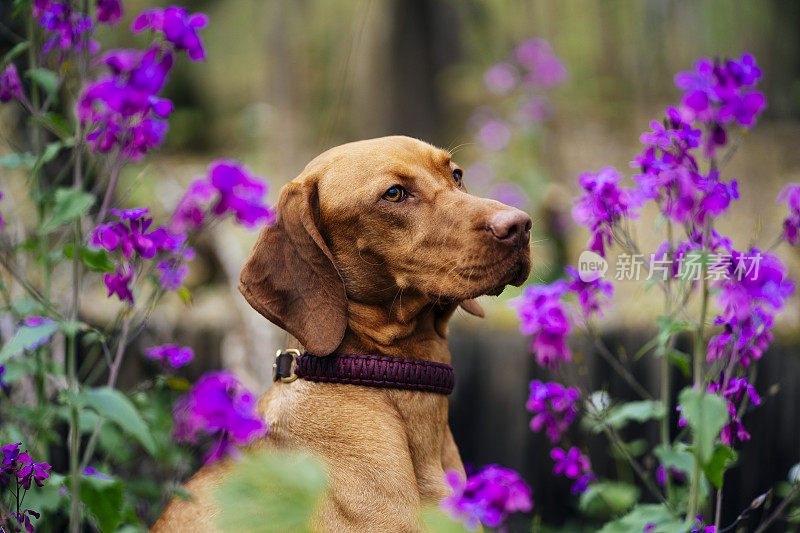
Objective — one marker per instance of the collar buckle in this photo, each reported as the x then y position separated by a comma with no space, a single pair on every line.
283,369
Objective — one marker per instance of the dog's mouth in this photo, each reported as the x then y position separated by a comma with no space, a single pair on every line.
490,278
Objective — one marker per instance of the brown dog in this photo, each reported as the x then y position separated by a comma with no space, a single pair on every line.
376,244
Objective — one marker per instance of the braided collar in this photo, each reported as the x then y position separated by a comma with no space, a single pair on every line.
368,370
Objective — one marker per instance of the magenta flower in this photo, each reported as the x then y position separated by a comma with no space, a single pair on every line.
176,356
571,463
592,295
509,194
553,406
178,28
229,188
119,283
602,206
501,78
173,272
66,30
736,390
10,84
487,497
542,315
219,406
791,226
494,134
109,11
544,68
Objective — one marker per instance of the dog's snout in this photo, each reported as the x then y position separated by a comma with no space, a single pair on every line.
510,226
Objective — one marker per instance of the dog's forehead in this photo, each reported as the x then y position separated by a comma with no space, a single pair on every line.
360,163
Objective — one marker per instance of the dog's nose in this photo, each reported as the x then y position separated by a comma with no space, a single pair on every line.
510,226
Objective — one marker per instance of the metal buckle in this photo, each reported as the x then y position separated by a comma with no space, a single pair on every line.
284,365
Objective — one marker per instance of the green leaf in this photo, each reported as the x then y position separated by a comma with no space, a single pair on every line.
706,415
669,326
680,459
94,258
103,498
116,407
47,80
17,50
15,161
641,411
608,498
27,336
724,457
679,359
643,515
70,204
270,492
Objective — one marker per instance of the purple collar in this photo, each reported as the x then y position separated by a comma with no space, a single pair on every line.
367,370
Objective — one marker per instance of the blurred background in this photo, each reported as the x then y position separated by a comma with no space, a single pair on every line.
284,81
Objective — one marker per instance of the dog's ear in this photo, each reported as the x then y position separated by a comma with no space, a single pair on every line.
290,277
473,307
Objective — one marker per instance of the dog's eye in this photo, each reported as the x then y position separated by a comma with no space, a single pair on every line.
457,176
395,194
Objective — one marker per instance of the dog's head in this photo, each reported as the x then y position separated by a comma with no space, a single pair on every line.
370,220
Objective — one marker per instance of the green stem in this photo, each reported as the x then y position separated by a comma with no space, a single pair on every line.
665,370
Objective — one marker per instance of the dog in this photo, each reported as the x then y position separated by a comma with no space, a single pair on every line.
376,244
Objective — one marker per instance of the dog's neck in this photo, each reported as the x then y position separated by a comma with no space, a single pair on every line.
411,328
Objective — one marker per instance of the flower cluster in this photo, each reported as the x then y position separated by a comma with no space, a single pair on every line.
67,30
554,408
574,465
602,206
134,239
592,295
734,391
219,406
228,188
122,110
176,356
543,315
486,497
791,226
718,93
17,466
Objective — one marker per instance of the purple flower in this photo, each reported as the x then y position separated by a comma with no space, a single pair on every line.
5,387
573,464
754,278
119,283
736,390
487,497
589,293
582,483
791,226
501,78
229,188
90,471
173,273
661,474
67,30
544,68
510,194
537,109
178,27
10,84
602,206
494,134
177,356
542,315
30,471
218,406
109,11
553,406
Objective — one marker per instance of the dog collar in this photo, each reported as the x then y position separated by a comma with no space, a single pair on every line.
367,370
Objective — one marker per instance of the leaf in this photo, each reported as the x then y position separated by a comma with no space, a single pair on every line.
94,258
680,460
679,359
270,492
641,411
103,497
706,414
116,407
70,204
643,515
47,80
27,336
668,326
16,161
608,498
17,50
724,457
